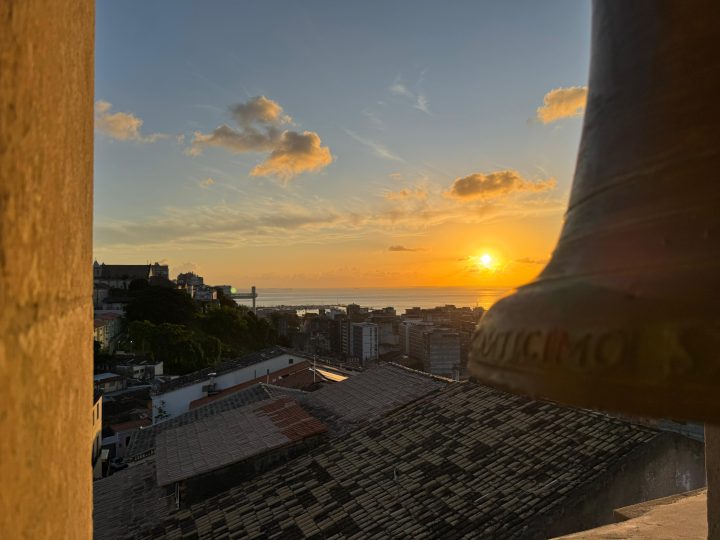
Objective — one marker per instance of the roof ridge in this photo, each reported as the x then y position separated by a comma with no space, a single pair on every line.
421,373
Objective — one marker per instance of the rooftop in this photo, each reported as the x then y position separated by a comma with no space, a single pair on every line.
232,436
469,459
226,366
106,376
129,500
369,395
143,441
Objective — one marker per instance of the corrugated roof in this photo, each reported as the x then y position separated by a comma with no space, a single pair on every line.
143,441
469,459
232,436
369,395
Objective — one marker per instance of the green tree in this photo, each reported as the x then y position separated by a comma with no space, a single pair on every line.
161,305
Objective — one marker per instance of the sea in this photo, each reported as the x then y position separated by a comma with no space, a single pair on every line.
399,298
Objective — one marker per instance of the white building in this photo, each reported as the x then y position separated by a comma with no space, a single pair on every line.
174,397
364,341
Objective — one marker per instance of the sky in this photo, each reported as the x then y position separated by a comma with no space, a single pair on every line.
337,144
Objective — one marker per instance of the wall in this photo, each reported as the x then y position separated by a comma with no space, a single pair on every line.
671,464
46,153
178,401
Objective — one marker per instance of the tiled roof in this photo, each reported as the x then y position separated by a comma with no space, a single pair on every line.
226,366
143,441
128,501
467,460
369,395
232,436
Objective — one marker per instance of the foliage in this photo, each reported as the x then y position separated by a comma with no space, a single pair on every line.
162,305
240,332
179,348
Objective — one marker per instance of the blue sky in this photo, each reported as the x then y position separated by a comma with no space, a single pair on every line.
407,97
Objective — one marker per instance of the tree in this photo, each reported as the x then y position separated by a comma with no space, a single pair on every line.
161,305
179,348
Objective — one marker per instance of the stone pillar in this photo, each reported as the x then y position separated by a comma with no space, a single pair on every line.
46,156
712,470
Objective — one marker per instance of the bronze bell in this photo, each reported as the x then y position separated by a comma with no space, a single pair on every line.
626,315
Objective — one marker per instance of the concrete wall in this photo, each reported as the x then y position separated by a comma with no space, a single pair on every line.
671,464
46,156
178,401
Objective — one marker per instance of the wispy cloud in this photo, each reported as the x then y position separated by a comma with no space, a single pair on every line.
375,146
404,248
417,98
273,222
562,103
122,126
207,182
531,260
259,128
494,185
407,193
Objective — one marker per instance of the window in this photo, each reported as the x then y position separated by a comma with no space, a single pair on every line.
290,361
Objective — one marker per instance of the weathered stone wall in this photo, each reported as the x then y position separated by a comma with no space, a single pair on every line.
669,465
46,156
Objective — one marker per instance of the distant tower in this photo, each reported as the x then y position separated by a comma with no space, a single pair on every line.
254,296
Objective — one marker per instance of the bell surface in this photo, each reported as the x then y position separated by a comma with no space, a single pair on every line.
626,315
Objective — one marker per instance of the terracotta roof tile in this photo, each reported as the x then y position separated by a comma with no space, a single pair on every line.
468,460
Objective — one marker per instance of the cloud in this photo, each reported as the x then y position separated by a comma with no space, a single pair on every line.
376,147
417,98
530,260
403,248
562,103
207,182
261,110
259,129
294,154
479,186
121,126
403,194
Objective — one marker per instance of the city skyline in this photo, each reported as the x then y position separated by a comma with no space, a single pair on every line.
334,146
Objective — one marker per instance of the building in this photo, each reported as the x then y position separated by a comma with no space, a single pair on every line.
143,369
466,459
174,397
119,276
107,327
442,352
364,338
108,382
96,459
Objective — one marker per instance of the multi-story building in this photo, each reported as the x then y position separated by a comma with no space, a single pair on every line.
439,349
442,352
119,276
364,339
96,460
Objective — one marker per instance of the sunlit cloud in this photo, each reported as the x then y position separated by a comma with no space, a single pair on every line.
404,248
207,182
375,146
122,126
259,128
295,153
562,103
494,185
272,222
417,193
